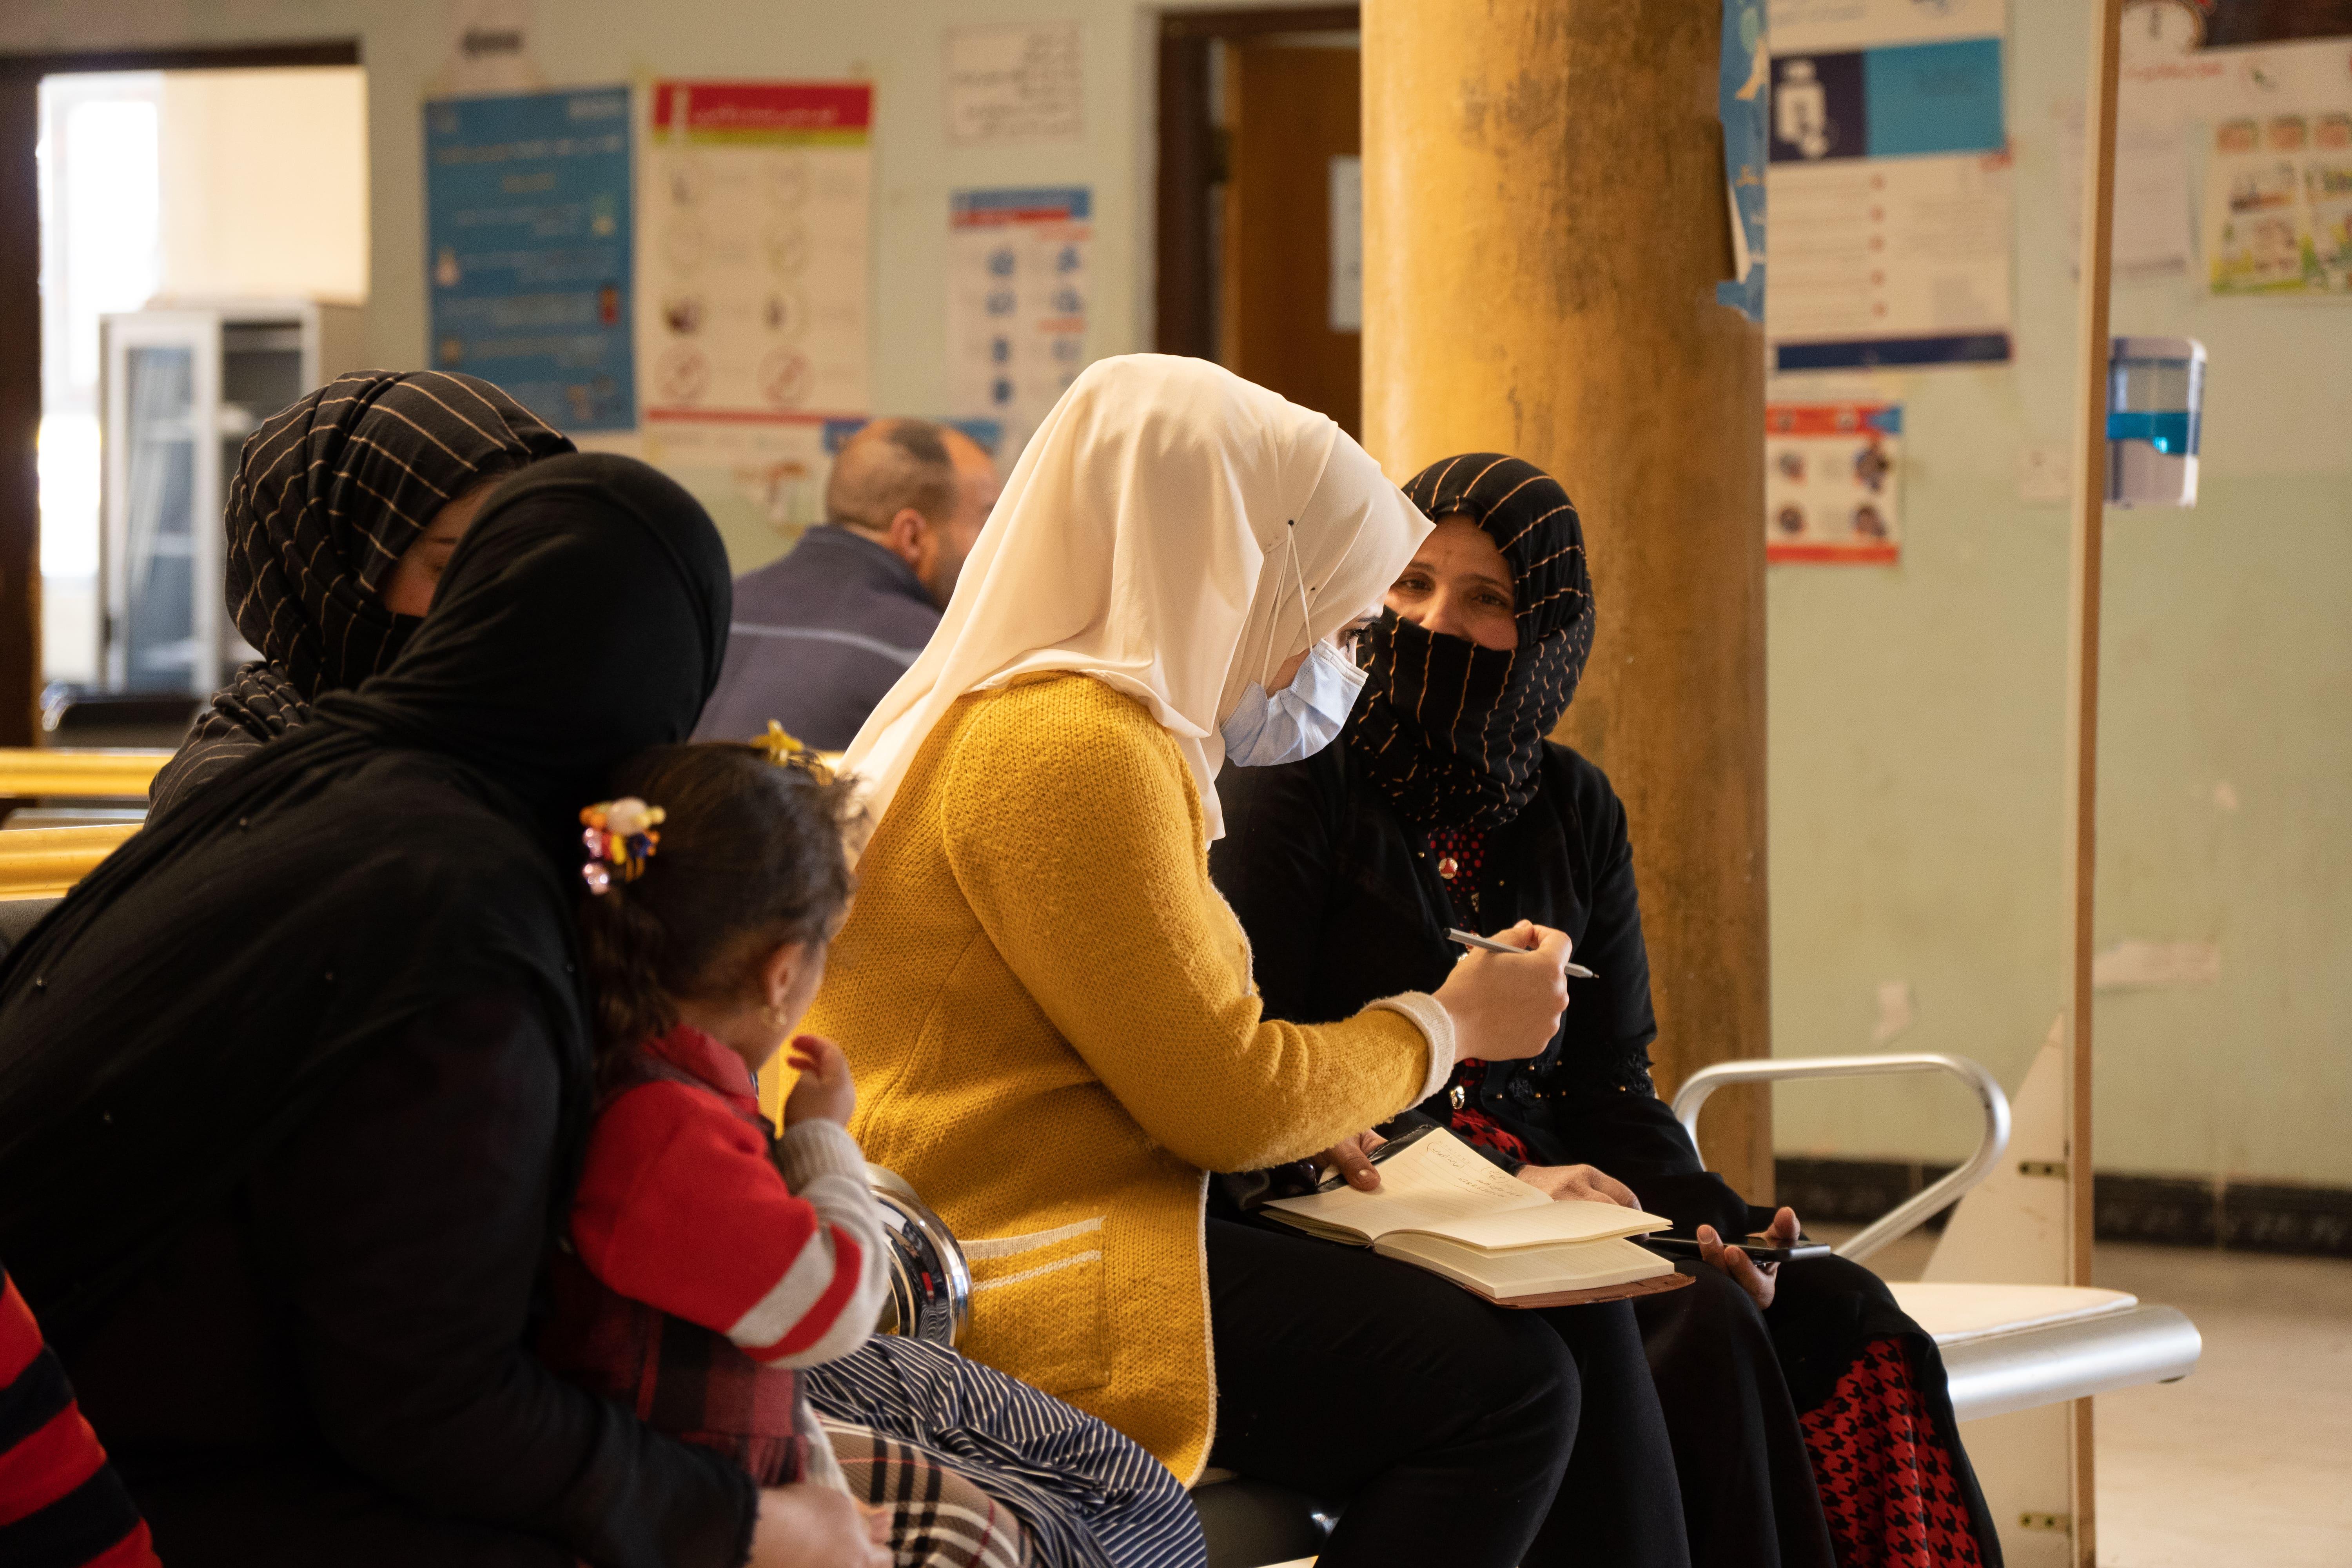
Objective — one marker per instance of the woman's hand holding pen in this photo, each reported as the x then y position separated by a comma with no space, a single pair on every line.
1505,1007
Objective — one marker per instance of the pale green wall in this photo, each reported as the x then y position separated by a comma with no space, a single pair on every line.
1917,713
1917,717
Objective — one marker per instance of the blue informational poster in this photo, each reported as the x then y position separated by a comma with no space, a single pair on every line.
1889,169
526,250
1746,101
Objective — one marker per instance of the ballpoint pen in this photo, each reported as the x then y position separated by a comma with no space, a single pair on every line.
1470,939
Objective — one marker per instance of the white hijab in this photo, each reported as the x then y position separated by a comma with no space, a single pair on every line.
1144,539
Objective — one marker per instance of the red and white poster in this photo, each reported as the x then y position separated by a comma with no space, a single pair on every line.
752,209
1834,482
753,222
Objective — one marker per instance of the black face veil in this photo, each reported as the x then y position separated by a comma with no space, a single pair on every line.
1453,732
200,994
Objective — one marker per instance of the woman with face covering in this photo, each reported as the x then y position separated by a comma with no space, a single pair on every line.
1809,1416
340,480
345,509
292,1088
1051,1014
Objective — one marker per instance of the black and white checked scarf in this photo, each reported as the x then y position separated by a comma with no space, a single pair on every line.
329,492
1452,732
330,489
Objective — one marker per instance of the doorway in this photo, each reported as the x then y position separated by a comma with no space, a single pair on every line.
181,233
1260,206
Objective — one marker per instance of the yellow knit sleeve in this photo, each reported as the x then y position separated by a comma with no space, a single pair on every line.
1073,831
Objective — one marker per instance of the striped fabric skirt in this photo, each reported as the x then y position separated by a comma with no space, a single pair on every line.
1085,1496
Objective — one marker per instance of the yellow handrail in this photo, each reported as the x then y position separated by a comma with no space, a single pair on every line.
81,774
46,862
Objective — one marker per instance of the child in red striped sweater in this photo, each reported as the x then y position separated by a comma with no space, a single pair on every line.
708,1257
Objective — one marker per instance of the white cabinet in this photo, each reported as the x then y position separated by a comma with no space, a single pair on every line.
179,388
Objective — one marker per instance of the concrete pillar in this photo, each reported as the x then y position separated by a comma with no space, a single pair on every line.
1544,222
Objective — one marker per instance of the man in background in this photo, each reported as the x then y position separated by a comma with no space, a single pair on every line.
819,636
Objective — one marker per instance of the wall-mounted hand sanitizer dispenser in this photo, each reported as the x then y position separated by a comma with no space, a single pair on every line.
2156,404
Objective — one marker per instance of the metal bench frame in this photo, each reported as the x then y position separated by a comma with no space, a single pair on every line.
1914,1211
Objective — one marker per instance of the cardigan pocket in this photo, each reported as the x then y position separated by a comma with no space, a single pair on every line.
1039,1306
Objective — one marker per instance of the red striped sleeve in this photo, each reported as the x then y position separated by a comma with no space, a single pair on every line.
60,1455
679,1207
133,1550
849,1262
20,1336
61,1505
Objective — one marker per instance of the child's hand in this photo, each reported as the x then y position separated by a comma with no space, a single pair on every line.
825,1088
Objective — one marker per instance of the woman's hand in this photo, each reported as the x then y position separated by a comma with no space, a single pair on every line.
1582,1183
826,1088
1758,1279
1352,1157
1505,1006
810,1526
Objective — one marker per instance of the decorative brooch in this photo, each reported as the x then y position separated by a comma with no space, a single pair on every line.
620,838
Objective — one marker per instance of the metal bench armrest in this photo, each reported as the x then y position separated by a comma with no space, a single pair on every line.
1909,1215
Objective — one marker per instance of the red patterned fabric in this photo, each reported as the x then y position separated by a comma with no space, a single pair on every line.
1482,1130
1458,854
1886,1481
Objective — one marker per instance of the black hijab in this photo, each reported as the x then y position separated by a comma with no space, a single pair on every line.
1453,734
194,1000
329,492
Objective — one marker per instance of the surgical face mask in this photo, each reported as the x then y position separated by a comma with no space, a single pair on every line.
1304,717
1299,720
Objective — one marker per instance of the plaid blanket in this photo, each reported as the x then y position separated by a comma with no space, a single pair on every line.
1086,1496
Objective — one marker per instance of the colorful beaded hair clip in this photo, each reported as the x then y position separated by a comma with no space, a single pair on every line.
620,838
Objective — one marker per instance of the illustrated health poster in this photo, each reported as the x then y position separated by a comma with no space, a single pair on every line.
2278,204
755,215
528,249
1834,482
2255,96
1017,291
1889,183
753,324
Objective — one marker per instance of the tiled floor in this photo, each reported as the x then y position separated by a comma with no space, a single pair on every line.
2249,1460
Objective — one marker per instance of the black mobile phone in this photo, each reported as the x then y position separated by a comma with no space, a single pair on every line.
1757,1247
1394,1146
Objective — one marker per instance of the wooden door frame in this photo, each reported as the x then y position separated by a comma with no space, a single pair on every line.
1187,159
20,330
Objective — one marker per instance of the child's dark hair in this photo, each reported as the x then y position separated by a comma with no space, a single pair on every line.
751,855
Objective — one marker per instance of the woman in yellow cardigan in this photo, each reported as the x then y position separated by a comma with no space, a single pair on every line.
1049,1007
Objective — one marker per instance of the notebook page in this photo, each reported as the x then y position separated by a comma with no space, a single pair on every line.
1438,1181
1573,1221
1534,1271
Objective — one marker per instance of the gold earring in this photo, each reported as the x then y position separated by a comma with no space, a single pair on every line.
773,1014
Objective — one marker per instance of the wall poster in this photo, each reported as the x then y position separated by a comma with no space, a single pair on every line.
2258,93
2278,204
1889,184
1015,83
1017,293
753,323
1834,482
1747,74
526,249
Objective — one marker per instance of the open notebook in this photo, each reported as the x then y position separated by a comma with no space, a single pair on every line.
1444,1208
